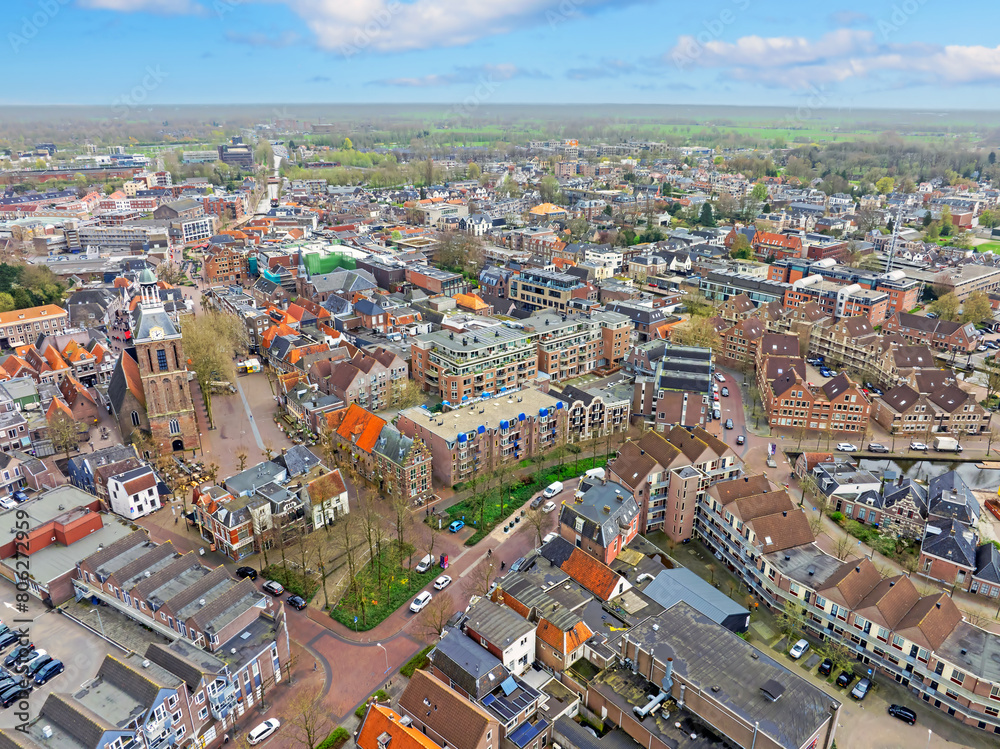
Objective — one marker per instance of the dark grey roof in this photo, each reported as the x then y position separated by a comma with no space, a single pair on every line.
557,551
298,460
680,584
467,664
599,525
118,386
500,625
988,563
393,444
950,497
950,540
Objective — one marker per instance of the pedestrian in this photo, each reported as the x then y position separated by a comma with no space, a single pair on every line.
502,565
225,739
315,666
176,521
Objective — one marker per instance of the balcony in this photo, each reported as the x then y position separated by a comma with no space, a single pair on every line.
221,698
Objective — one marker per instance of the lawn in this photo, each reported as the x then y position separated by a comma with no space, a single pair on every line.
381,587
488,508
293,580
987,246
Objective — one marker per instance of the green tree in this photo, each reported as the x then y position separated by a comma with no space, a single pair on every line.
741,249
548,189
947,227
347,145
607,210
6,302
698,331
946,307
759,192
706,217
885,185
474,171
988,218
977,307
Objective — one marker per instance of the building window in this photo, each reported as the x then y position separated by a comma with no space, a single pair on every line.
135,418
175,427
161,359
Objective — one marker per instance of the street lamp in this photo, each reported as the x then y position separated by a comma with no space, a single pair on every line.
386,656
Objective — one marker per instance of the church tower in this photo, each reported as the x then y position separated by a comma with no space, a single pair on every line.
163,371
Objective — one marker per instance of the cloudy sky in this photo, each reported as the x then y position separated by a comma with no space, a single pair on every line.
899,53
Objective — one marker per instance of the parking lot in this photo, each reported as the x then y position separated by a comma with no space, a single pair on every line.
80,651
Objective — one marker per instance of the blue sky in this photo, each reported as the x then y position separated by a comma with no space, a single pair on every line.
905,53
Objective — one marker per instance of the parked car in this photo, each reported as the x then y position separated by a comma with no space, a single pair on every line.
425,564
273,587
875,447
826,667
263,731
918,446
719,377
36,665
825,373
548,507
931,315
549,537
9,638
456,526
46,672
19,496
248,573
552,489
537,502
846,447
297,602
717,414
861,689
740,440
442,582
992,345
799,649
7,503
845,678
12,695
21,652
518,563
729,423
982,347
420,602
905,714
725,392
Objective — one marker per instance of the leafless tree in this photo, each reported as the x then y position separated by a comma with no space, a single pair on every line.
308,720
434,617
534,519
843,546
481,578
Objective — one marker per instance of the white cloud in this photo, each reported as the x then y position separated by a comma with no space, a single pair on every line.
841,55
164,7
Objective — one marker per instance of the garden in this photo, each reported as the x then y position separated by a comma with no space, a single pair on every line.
380,587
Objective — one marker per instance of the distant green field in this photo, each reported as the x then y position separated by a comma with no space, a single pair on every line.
987,246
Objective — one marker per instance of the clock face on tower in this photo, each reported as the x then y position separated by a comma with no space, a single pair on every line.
156,333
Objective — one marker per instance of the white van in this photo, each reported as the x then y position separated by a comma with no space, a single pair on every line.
425,564
595,473
553,489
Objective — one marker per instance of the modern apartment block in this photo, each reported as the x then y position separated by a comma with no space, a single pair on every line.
669,473
920,641
484,436
462,366
545,289
903,292
838,405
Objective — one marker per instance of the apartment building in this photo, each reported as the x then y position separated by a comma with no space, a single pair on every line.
946,410
837,300
739,340
669,473
462,366
679,389
226,207
921,642
594,413
568,345
484,436
602,519
838,405
898,362
616,339
23,326
545,289
226,265
903,292
119,237
371,379
967,278
942,335
849,342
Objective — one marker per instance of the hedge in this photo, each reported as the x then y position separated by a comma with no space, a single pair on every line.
337,738
418,661
380,696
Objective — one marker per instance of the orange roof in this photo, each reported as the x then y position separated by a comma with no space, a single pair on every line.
32,313
52,357
130,368
383,720
57,407
470,301
274,331
543,209
563,642
74,352
360,427
592,574
121,283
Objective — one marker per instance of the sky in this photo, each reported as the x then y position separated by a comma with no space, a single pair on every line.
878,54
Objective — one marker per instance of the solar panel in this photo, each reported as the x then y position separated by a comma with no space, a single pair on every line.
508,685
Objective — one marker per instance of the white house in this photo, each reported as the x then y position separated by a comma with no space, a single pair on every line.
133,494
326,498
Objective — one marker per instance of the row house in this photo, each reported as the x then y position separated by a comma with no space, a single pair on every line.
595,413
946,410
23,326
943,335
487,435
768,246
736,308
919,641
838,405
373,379
668,473
739,340
392,457
897,361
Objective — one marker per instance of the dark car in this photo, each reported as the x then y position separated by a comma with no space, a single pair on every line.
273,587
826,667
8,639
20,496
537,502
740,440
246,573
17,653
729,423
297,602
845,678
37,665
725,392
46,672
12,695
9,682
905,714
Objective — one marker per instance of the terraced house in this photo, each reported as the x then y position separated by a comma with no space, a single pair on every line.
838,405
942,335
920,641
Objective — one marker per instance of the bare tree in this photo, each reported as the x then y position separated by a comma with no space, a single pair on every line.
843,547
534,518
436,615
242,455
308,720
481,578
976,618
63,433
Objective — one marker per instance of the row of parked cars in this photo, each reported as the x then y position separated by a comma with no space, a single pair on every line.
25,666
844,679
273,587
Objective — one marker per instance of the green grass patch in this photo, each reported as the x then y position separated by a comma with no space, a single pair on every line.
380,587
990,246
292,579
418,661
337,738
486,510
380,695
